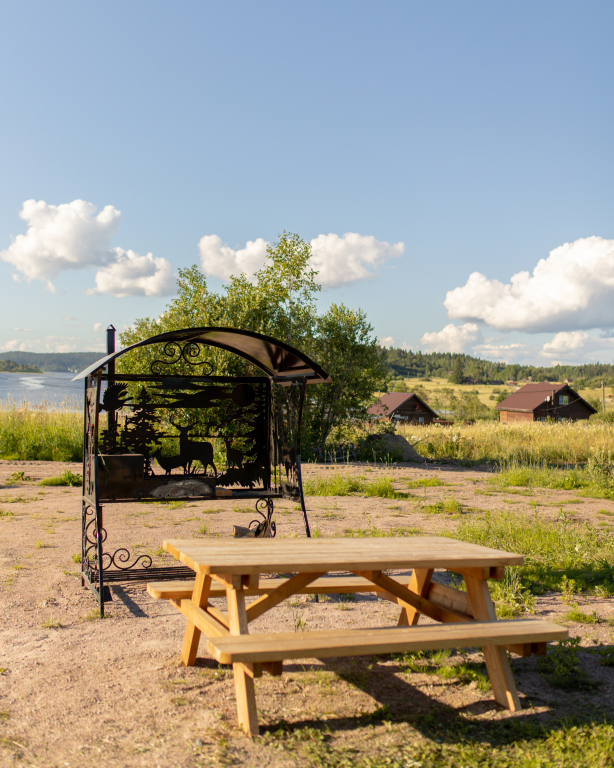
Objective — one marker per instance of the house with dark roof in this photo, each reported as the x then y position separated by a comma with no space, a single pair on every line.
402,406
539,401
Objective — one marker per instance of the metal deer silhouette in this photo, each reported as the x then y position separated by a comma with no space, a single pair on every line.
168,463
191,451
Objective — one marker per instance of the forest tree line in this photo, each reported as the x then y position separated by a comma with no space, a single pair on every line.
408,364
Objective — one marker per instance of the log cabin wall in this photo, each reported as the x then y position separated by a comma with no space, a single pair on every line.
512,417
415,411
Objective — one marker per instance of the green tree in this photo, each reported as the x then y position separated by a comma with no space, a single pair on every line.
345,347
458,372
279,302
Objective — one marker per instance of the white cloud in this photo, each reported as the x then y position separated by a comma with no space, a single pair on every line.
11,346
453,338
338,260
392,341
347,259
74,236
98,328
572,289
575,345
59,237
131,274
221,261
387,341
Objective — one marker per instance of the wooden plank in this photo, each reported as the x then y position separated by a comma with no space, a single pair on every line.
274,668
412,600
244,556
203,620
191,637
243,675
419,583
448,597
217,614
486,572
270,600
363,642
497,663
327,585
246,700
527,649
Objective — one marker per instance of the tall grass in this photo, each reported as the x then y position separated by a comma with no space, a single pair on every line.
38,434
554,550
534,442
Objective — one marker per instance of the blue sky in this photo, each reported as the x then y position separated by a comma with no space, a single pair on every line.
478,135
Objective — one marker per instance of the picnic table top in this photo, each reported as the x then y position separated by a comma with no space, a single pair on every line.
250,556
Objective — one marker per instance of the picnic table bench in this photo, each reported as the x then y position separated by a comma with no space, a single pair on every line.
233,568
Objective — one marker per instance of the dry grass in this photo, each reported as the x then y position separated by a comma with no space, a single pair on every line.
533,443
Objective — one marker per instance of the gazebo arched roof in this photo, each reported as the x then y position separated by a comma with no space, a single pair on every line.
275,358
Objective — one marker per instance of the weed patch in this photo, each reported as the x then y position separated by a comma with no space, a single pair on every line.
373,531
51,623
66,478
335,485
425,482
384,489
447,506
562,669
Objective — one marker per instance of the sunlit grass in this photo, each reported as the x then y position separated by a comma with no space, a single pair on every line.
554,550
531,443
36,434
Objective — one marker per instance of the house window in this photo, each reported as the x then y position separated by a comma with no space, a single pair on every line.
563,399
421,419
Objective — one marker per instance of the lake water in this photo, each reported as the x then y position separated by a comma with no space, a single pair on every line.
56,390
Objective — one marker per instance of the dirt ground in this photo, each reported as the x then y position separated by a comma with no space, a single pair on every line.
74,688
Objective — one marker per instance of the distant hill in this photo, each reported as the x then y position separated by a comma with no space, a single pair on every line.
10,366
405,363
54,362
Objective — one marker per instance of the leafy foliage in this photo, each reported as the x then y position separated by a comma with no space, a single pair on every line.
280,302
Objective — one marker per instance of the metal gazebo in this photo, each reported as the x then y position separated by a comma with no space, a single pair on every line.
126,455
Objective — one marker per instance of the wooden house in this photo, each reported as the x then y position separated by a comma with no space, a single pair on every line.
539,401
404,407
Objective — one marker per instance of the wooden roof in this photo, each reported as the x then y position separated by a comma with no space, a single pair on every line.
387,404
531,396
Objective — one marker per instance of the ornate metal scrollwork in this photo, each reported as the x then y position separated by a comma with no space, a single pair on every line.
89,547
123,556
177,352
266,527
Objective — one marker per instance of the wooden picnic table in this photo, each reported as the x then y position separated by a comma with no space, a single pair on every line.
234,568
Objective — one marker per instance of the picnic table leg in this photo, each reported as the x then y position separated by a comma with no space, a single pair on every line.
200,597
244,682
419,583
497,663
